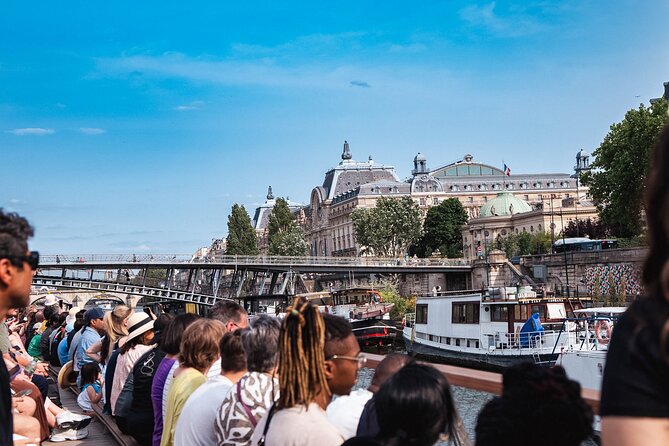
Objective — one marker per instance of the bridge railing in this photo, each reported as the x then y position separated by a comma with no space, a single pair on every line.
54,260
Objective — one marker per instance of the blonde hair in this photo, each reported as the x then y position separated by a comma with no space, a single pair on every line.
301,355
115,322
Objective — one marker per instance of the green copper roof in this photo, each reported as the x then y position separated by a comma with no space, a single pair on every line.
505,203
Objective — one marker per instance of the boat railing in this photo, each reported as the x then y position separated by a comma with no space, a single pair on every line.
531,342
409,319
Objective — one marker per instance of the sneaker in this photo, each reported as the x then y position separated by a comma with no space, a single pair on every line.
58,435
69,420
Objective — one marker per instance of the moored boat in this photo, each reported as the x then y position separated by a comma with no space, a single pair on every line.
363,308
491,329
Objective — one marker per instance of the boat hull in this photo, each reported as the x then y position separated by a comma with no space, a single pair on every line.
480,361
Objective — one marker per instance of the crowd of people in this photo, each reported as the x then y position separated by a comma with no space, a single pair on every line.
193,380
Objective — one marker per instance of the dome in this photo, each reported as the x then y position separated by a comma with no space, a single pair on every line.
419,157
505,203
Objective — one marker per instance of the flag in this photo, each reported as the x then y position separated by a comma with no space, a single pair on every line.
507,170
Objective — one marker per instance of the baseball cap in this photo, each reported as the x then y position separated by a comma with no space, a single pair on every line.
93,313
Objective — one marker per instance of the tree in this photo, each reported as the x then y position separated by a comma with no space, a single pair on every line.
284,235
388,229
280,218
618,173
587,228
442,229
289,242
242,239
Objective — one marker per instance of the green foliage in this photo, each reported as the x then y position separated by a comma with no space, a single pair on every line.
619,171
587,228
289,242
280,219
285,236
388,229
524,243
402,305
242,239
633,242
442,230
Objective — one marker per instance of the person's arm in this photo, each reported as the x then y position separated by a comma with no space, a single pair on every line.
633,431
94,396
94,350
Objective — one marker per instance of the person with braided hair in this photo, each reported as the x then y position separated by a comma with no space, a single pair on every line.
318,357
635,386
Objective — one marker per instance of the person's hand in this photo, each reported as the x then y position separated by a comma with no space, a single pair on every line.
42,368
16,400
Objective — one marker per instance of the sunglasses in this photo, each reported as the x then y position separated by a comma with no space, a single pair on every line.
32,259
361,359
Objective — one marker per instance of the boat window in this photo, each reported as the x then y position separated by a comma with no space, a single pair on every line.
520,313
538,308
499,313
465,313
421,313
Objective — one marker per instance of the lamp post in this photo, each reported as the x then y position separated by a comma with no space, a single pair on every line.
566,270
582,164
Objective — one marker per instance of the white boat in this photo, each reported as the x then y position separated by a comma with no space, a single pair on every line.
485,329
584,361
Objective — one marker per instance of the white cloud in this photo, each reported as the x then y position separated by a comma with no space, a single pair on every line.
195,105
16,201
514,24
142,248
32,131
91,130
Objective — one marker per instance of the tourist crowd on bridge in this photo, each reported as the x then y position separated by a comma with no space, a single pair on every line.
223,379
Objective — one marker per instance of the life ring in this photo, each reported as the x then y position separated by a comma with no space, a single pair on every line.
603,325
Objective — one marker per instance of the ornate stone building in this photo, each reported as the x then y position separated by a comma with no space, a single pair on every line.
506,214
353,184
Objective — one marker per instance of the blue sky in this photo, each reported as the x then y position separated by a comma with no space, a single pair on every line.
134,126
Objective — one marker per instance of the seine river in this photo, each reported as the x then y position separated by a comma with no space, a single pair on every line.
469,403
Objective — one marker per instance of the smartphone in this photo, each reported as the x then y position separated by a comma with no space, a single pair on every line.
24,392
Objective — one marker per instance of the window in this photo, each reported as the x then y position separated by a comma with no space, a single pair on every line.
520,313
499,313
422,201
421,313
435,201
471,199
541,309
465,313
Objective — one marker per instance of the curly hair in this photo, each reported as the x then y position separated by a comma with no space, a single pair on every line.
14,234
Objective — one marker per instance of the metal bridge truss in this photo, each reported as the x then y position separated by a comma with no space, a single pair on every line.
204,286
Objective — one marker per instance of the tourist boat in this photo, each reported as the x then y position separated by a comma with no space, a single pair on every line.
491,329
584,361
363,308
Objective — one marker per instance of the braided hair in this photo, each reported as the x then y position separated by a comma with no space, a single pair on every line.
301,355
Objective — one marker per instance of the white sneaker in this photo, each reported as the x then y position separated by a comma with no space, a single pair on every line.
58,435
69,420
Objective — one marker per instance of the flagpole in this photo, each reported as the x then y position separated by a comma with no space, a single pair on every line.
503,175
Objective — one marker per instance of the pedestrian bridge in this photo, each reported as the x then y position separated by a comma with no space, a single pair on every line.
208,280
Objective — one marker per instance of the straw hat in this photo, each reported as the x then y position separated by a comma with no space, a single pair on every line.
138,324
67,376
50,300
72,316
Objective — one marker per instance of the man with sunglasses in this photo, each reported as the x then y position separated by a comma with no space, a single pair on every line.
17,267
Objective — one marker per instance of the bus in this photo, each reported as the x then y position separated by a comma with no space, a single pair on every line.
583,244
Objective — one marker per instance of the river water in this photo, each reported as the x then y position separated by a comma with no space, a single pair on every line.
469,403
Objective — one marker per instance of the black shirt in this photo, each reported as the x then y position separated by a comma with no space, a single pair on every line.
636,377
6,421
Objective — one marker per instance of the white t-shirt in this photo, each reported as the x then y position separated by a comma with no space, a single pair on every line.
214,370
195,426
298,426
168,382
344,411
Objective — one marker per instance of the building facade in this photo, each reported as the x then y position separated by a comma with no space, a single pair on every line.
352,184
